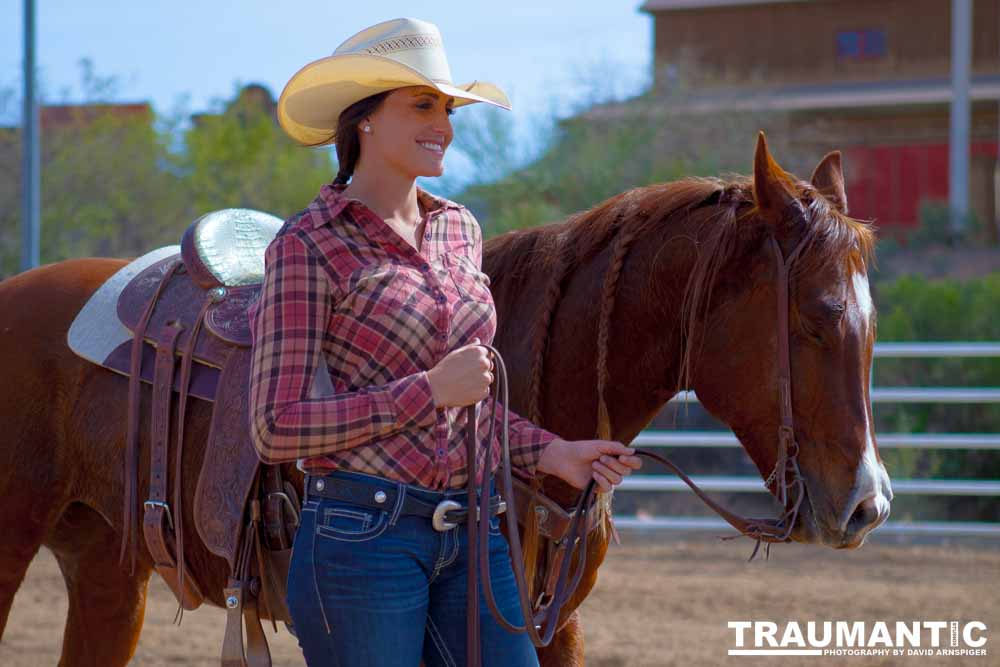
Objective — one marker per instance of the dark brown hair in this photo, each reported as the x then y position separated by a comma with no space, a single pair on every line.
348,143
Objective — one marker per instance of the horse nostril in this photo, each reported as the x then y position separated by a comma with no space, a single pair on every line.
865,514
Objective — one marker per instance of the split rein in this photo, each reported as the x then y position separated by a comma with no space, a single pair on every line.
543,620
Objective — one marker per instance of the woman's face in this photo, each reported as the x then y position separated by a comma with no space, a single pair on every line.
410,131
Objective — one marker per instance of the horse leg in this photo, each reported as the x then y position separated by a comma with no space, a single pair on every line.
106,605
566,649
16,555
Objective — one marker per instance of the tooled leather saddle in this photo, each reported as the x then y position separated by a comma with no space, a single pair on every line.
176,318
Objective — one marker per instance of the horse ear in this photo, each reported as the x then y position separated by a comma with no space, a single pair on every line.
828,178
773,189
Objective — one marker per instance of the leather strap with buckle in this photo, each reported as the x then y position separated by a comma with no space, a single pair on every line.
444,515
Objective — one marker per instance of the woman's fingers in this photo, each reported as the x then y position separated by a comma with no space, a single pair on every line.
602,482
633,462
615,464
607,472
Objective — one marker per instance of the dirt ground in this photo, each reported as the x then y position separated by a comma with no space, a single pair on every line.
658,602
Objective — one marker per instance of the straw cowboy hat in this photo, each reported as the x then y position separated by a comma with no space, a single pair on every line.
392,54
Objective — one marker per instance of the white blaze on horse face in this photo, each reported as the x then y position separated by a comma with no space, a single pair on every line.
871,479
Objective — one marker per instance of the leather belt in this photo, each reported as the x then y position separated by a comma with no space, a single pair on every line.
445,514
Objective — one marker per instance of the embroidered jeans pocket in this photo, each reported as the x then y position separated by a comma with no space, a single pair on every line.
350,523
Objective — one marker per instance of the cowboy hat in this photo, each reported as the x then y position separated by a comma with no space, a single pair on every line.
388,55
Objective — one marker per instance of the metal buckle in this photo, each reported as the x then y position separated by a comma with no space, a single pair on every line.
287,502
162,505
438,520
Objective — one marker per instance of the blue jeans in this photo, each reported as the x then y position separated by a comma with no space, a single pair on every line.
373,587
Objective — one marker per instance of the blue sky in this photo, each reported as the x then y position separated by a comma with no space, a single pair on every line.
550,56
537,50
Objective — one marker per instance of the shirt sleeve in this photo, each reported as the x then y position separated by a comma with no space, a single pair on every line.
288,324
527,441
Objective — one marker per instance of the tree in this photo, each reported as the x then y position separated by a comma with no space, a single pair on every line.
119,180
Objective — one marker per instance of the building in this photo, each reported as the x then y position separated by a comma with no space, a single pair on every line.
869,77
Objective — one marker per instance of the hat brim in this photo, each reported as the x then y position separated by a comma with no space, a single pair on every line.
311,103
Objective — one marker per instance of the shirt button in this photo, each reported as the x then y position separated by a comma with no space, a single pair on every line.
443,336
425,265
440,298
440,452
427,236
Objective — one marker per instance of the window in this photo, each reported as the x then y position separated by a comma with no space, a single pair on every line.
861,44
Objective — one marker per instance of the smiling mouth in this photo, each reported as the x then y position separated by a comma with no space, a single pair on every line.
433,147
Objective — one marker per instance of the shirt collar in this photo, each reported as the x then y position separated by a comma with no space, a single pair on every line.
332,195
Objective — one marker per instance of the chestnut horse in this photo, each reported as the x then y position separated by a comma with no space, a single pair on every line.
683,278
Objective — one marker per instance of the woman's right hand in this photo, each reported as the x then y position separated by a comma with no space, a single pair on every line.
463,377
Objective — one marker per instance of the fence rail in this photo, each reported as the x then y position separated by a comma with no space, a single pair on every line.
654,438
931,487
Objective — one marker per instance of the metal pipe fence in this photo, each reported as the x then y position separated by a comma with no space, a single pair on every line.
927,487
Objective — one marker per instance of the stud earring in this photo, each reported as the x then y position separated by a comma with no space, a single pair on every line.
367,128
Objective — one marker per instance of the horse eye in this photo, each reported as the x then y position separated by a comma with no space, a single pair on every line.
835,311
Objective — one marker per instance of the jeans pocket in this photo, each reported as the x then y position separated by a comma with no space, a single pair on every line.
346,522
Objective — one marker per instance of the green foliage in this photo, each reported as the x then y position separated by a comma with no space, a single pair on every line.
590,160
103,192
912,308
120,184
606,147
935,227
241,158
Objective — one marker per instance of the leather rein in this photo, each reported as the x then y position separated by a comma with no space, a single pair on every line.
543,618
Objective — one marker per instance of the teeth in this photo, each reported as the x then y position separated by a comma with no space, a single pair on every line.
432,147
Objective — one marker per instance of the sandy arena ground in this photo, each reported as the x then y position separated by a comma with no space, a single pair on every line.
658,602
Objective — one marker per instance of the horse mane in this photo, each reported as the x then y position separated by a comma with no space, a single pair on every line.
727,218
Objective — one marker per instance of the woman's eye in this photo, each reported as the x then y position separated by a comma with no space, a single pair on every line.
430,105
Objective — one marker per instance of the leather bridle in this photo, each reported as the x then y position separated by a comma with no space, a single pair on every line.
543,619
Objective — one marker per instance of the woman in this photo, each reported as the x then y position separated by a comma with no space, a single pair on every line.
379,283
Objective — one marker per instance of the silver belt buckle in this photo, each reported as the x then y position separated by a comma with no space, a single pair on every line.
438,520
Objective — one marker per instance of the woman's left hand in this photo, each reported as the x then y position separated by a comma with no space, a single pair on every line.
607,462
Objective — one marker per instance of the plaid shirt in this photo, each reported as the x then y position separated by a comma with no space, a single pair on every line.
342,290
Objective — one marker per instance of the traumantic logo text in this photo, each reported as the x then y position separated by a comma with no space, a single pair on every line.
880,638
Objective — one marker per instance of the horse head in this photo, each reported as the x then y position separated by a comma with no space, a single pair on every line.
733,339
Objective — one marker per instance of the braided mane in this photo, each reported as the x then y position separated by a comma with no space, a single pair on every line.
725,214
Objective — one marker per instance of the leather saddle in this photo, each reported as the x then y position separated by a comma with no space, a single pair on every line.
176,319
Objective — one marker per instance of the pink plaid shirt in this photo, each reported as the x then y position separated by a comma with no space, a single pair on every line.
343,291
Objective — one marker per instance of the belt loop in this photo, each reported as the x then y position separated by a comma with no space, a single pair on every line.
400,497
305,489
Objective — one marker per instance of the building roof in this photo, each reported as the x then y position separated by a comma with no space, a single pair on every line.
675,5
819,96
61,115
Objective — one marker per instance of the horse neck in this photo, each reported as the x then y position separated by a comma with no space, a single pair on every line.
644,335
645,350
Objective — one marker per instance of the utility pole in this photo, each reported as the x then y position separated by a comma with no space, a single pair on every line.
30,172
958,143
